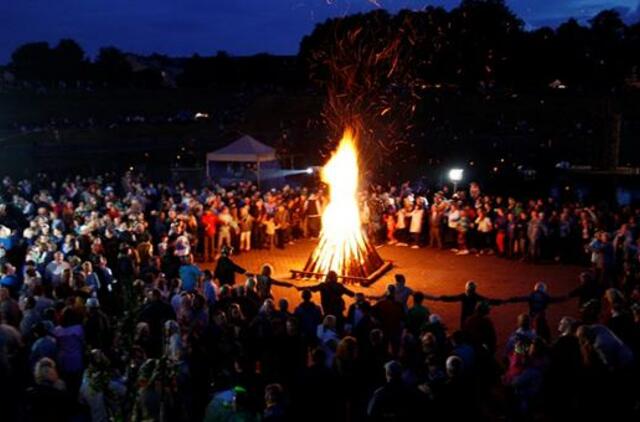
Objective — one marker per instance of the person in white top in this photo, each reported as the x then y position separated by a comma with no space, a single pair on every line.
453,217
484,227
415,227
401,227
54,270
435,221
224,232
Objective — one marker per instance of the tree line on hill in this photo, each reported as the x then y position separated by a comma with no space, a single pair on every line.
483,43
480,43
66,62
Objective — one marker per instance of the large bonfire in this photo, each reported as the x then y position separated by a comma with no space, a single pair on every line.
344,247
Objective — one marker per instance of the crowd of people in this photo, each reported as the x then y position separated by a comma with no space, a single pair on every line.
106,313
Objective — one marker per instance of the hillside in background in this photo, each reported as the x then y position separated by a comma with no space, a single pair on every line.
485,93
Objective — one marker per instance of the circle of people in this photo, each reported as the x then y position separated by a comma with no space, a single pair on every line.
105,315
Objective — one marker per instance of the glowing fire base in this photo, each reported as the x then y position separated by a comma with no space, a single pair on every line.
346,278
343,247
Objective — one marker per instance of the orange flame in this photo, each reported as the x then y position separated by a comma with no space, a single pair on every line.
342,243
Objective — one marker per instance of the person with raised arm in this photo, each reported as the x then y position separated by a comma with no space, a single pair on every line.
331,293
468,300
226,269
538,300
402,293
264,282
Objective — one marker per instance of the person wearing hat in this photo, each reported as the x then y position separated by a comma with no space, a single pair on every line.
468,300
226,269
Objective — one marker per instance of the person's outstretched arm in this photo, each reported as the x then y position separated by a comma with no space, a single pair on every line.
559,299
238,269
516,299
430,297
494,302
449,298
346,291
281,283
312,288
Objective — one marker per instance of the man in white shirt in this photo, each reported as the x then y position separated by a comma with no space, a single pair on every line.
54,270
453,217
415,227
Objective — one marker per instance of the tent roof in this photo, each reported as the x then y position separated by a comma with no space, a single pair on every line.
244,149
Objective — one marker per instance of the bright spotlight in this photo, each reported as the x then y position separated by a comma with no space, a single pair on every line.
309,170
455,175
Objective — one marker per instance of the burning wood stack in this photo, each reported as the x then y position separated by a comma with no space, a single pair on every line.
343,247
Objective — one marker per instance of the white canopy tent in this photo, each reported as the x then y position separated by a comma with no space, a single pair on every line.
246,149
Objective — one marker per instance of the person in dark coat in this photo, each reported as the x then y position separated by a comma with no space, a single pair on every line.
97,328
48,399
538,301
390,315
394,401
331,293
587,290
264,281
565,365
480,329
226,269
309,316
468,300
275,410
317,382
360,319
156,313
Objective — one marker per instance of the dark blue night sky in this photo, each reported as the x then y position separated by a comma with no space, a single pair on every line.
184,27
